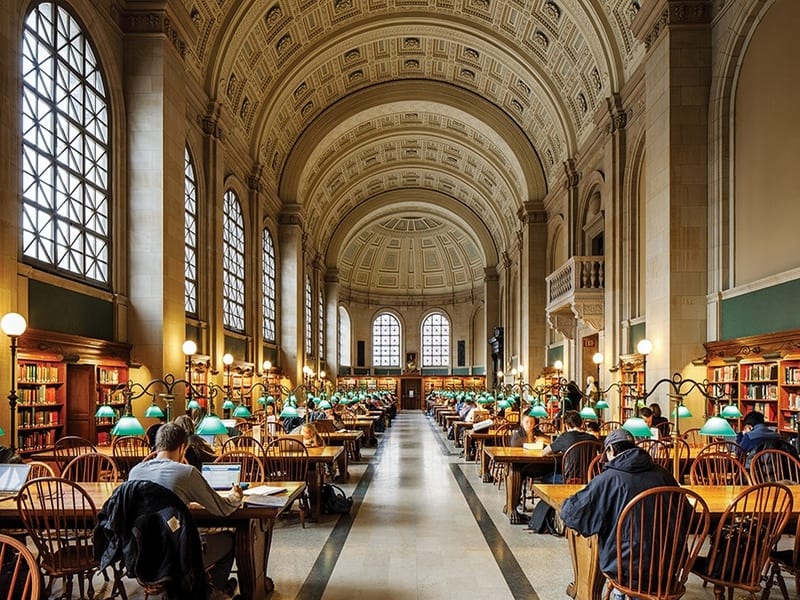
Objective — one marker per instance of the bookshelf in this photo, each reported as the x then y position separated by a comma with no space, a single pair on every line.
789,394
758,389
632,376
42,398
110,379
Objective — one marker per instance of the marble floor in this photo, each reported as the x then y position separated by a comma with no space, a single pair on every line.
423,526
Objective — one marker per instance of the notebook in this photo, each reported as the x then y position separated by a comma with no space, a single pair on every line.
12,477
221,476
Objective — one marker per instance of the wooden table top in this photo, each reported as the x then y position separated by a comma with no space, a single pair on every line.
717,497
342,435
516,454
100,492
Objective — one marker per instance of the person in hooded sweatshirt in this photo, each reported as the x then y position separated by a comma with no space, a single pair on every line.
596,508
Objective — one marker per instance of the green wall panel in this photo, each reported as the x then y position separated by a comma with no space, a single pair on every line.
772,309
55,309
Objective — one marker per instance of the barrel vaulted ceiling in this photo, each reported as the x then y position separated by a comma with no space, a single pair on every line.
458,111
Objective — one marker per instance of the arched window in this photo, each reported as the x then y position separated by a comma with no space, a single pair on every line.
268,285
435,341
343,338
65,148
321,328
232,263
189,234
308,306
386,341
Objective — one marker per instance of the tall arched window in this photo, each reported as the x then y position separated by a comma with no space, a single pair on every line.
321,328
189,234
65,148
386,341
435,340
343,339
308,307
232,263
268,285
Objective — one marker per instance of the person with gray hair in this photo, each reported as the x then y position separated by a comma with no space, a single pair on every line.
167,469
596,508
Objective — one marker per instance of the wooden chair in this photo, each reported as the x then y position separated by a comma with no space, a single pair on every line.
775,465
93,467
693,437
547,427
128,451
40,469
658,537
286,459
23,577
659,451
784,560
718,468
497,470
244,443
680,446
252,467
740,545
60,517
577,458
724,446
68,447
608,426
595,467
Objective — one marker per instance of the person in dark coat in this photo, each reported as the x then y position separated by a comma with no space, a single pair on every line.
755,435
596,509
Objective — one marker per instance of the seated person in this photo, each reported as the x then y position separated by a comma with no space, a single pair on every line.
596,508
574,434
756,435
659,421
526,433
648,416
198,450
592,427
167,469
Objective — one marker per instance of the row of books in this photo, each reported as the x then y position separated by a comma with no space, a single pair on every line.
726,373
38,395
38,373
760,391
768,409
28,418
37,440
792,375
108,376
760,372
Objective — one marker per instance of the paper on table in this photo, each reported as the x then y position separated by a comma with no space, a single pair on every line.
265,500
263,490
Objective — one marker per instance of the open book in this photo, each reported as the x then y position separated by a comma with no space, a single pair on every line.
264,495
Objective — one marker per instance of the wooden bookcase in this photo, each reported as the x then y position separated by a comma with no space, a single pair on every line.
758,388
789,394
632,376
110,380
42,398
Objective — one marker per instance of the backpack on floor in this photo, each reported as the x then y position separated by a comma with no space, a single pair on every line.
543,519
334,501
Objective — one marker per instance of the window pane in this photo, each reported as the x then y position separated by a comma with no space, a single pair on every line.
308,316
65,152
233,263
436,341
386,341
268,286
190,234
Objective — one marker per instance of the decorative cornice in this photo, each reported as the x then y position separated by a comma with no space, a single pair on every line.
290,215
655,17
210,122
590,312
565,324
572,177
139,22
618,117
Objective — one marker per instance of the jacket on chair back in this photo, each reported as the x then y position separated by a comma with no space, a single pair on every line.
152,531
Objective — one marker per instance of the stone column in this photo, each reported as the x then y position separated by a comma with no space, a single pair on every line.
677,80
533,287
292,289
331,357
155,102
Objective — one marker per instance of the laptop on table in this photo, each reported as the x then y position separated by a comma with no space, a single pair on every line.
12,478
221,476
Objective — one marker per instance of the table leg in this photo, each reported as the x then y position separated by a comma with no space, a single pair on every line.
314,481
588,581
513,491
341,464
253,541
486,477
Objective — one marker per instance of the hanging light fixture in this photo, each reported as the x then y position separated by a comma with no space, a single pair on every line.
242,412
127,424
637,427
717,426
731,411
587,412
538,411
154,410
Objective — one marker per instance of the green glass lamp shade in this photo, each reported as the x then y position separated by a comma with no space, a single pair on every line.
261,400
104,411
717,426
193,404
270,399
503,403
288,411
640,403
587,412
242,412
683,411
537,410
2,432
211,425
227,404
324,405
601,403
637,427
154,410
128,425
731,411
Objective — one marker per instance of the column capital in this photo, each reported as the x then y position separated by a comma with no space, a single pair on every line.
156,20
290,215
210,122
532,212
572,176
656,17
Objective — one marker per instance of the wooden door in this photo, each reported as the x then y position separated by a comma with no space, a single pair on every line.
411,393
81,401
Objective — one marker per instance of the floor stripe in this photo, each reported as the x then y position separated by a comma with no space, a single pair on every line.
317,580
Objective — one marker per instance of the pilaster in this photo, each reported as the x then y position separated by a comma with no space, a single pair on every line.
290,241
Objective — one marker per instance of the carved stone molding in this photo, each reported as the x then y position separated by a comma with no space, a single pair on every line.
210,122
564,323
136,22
572,178
649,24
590,312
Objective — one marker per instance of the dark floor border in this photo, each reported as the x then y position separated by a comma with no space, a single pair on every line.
439,438
317,580
518,584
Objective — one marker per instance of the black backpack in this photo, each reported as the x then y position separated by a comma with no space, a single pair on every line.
334,501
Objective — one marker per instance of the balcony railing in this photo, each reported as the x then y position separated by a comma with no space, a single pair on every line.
578,275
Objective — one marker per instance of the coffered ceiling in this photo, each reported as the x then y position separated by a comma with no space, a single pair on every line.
462,111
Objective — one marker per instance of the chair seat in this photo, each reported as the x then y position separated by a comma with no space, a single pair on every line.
73,559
